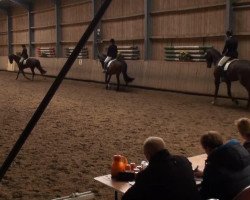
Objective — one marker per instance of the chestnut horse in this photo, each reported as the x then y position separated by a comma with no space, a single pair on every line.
238,70
117,67
31,63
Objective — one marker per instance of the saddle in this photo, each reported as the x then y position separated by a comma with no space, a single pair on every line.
24,62
109,63
226,65
224,69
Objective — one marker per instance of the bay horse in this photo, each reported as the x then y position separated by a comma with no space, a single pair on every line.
238,70
117,67
31,63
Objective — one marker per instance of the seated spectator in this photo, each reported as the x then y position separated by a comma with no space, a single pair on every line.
227,169
243,125
167,176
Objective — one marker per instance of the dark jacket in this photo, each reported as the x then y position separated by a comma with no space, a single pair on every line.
24,53
167,177
230,48
226,173
247,146
112,51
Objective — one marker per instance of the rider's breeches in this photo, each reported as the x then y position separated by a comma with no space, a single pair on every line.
107,60
21,60
223,60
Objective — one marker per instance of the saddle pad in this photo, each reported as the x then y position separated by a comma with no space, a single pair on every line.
25,61
228,63
110,62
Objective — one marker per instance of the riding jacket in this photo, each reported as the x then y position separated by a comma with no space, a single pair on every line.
112,51
230,48
24,53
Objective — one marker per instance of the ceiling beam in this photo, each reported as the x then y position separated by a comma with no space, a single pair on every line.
4,10
26,6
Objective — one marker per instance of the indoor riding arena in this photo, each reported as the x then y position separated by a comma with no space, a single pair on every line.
65,126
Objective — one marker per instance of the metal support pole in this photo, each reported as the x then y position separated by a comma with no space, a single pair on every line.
97,31
9,25
58,28
229,16
31,32
147,30
41,108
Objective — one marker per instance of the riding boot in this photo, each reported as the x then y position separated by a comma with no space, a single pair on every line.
105,67
222,74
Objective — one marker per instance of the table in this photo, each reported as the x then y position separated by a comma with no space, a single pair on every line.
199,161
122,187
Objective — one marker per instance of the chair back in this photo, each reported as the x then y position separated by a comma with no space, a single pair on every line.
244,194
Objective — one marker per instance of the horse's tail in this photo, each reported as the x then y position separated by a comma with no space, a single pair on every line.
39,67
126,78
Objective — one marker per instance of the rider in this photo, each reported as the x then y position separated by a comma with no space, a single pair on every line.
24,54
111,54
229,51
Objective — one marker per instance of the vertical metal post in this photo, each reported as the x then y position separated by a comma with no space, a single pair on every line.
96,33
147,30
9,25
52,90
58,28
229,15
31,32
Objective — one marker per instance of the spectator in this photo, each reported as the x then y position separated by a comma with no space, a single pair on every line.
243,125
167,176
227,169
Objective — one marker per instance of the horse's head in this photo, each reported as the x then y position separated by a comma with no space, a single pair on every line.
212,56
209,58
101,58
11,58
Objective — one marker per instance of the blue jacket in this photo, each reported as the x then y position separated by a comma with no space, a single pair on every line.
227,172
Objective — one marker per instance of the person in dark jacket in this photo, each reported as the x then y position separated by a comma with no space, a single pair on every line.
111,54
167,177
227,169
24,54
229,51
243,125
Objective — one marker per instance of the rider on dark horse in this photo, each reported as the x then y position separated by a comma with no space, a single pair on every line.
111,54
24,54
229,52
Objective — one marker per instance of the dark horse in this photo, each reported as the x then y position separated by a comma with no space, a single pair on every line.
31,63
238,70
117,67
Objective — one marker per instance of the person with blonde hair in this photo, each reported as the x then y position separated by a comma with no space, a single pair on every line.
167,177
227,169
243,125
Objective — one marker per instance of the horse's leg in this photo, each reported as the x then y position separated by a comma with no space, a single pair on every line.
118,81
33,72
217,86
108,80
39,67
25,75
229,92
18,74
